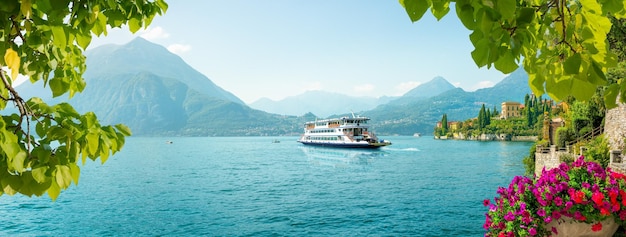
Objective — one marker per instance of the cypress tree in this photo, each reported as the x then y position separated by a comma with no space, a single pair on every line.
482,117
444,124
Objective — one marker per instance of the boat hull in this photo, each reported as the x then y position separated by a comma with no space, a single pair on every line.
347,145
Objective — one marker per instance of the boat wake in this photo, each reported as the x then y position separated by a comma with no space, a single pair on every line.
401,149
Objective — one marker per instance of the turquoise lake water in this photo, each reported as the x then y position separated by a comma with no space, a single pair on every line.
249,186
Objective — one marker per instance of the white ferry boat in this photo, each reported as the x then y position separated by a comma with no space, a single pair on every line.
341,132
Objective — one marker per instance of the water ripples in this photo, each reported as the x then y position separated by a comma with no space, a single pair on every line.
251,187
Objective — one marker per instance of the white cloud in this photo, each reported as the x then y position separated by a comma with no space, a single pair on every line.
179,48
404,87
482,84
154,33
364,88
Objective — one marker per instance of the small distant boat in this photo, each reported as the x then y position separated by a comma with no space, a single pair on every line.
341,132
417,134
169,142
276,141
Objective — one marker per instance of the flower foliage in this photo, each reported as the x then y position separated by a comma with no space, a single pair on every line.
583,191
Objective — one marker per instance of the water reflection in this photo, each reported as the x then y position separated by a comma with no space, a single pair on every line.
341,157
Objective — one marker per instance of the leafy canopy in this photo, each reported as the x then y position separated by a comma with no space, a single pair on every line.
562,43
45,40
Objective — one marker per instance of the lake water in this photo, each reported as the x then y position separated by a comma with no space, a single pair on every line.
249,186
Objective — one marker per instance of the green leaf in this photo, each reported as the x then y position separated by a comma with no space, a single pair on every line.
54,190
134,24
610,96
558,88
481,52
39,174
415,8
11,184
42,5
26,8
465,12
506,8
59,36
18,161
162,4
536,83
582,90
506,63
596,75
58,86
93,141
123,129
440,8
75,171
63,176
525,16
572,64
83,40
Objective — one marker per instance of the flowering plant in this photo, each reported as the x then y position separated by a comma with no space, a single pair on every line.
583,191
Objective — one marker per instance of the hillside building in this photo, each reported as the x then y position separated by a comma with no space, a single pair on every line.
510,109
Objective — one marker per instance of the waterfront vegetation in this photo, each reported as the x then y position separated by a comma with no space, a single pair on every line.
528,123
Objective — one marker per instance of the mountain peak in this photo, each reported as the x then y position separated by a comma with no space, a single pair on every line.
140,56
434,87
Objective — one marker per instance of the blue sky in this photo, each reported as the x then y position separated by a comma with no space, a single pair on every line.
282,48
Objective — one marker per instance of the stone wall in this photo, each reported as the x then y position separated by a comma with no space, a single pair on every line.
615,127
524,138
494,137
548,158
617,164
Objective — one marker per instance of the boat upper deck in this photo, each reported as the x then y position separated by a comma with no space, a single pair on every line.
337,122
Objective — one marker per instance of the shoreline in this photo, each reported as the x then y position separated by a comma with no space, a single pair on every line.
489,137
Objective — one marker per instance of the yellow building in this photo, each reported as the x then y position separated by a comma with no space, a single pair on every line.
453,125
510,109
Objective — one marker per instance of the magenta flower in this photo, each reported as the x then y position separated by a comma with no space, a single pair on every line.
584,191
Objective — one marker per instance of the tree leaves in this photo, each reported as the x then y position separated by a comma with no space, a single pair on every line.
416,8
564,51
45,40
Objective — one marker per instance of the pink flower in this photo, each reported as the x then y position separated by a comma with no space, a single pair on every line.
578,197
532,231
596,227
486,202
598,198
555,231
509,216
579,216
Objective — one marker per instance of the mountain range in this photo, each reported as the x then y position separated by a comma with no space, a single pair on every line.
155,93
324,104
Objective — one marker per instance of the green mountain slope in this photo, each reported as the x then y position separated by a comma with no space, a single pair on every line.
140,55
421,115
154,92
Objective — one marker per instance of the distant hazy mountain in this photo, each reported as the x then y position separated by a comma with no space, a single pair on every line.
325,104
155,92
429,89
434,87
320,103
421,115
